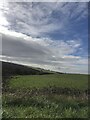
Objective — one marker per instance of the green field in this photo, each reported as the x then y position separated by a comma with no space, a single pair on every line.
46,96
58,80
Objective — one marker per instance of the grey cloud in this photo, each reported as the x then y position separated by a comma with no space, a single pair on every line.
43,53
16,47
38,19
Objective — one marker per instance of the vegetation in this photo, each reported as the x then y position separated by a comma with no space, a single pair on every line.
57,80
9,69
46,96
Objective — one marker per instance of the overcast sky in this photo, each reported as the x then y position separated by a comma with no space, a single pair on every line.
48,35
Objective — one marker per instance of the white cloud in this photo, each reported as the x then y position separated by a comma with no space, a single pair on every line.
44,53
47,0
40,18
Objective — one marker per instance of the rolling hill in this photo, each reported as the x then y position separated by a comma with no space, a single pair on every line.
9,69
29,92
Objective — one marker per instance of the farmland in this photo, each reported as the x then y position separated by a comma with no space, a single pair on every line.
46,96
58,80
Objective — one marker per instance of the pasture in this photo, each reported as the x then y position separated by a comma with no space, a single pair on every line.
46,96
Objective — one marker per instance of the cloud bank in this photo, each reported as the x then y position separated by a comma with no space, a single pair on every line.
26,29
44,53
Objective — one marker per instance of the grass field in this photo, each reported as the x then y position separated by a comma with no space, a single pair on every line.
46,96
58,80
